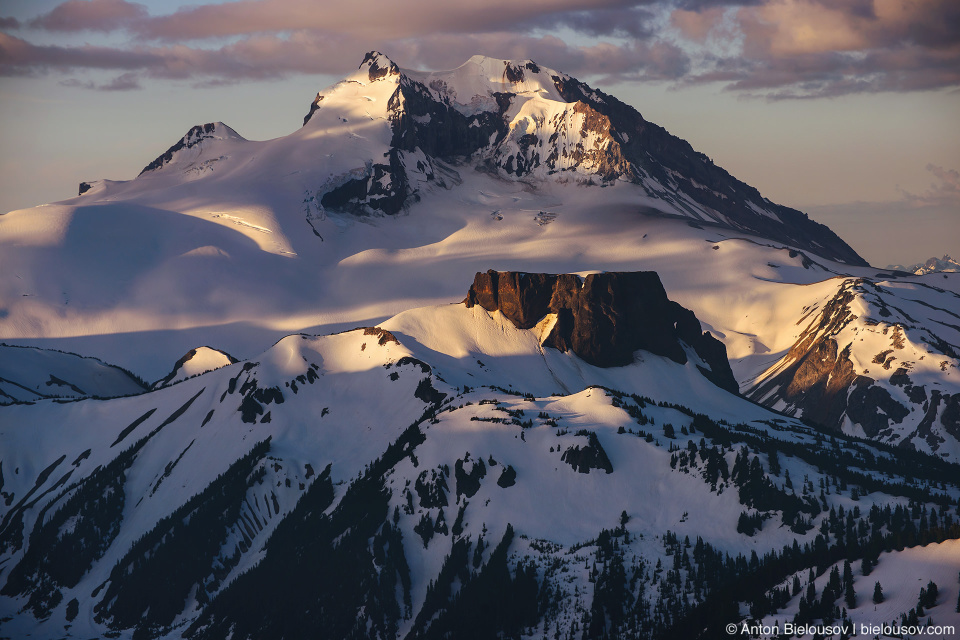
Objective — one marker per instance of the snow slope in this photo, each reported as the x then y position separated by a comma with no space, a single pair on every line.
485,398
901,574
227,242
27,374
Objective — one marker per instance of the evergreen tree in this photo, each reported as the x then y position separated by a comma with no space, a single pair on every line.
928,596
877,593
774,462
849,596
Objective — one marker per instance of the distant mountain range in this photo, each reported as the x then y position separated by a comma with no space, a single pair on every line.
933,265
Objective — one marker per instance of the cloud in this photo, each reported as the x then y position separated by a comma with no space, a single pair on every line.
944,192
390,20
779,49
21,58
639,22
698,25
124,82
90,15
830,74
781,28
824,48
262,57
633,60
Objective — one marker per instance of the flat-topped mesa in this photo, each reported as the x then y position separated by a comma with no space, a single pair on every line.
604,318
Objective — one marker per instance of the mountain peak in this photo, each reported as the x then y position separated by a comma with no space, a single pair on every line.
195,362
195,137
472,87
379,66
525,122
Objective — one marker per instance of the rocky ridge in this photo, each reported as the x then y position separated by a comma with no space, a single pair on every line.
605,318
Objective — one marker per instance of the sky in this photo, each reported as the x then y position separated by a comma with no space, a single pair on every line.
848,110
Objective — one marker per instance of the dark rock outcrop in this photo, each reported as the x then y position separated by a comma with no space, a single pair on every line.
872,407
419,121
605,318
384,189
950,418
383,335
817,374
507,478
468,482
379,65
313,107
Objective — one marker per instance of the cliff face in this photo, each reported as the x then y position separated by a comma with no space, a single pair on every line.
605,318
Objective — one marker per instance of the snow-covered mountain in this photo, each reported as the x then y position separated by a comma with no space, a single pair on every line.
195,362
407,480
933,265
661,399
877,359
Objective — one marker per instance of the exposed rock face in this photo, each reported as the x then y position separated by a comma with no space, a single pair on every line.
384,188
383,335
421,121
313,107
604,319
379,66
818,374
